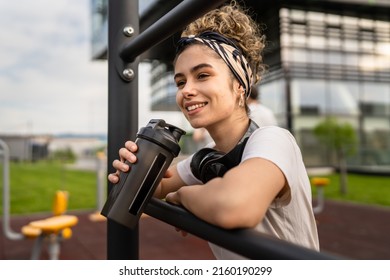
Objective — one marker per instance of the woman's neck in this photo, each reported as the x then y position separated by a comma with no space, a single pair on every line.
227,136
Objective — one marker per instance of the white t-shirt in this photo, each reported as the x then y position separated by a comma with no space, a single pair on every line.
289,217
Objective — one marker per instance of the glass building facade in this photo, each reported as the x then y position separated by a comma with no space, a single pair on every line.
332,65
163,87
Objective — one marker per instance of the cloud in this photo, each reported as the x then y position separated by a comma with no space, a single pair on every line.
48,82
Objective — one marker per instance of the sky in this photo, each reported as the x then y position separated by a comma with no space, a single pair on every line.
49,83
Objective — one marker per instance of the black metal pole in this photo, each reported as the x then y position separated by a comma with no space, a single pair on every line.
246,242
122,243
175,20
290,117
123,26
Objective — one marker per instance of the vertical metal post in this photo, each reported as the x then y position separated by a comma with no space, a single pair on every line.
122,243
287,78
101,162
8,232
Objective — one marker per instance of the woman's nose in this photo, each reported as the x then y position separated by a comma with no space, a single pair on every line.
188,90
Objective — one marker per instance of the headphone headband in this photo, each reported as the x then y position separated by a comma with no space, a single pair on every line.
208,163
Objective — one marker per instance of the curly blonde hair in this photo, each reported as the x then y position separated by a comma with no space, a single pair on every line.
234,23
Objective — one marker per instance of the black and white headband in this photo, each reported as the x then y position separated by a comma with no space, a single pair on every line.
228,51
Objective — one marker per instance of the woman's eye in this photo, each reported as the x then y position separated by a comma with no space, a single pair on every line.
203,75
180,83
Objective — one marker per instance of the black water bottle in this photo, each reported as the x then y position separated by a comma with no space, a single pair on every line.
158,145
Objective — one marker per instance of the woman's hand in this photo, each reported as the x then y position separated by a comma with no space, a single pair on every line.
174,199
125,153
182,232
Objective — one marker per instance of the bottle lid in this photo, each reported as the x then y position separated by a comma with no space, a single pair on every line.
163,134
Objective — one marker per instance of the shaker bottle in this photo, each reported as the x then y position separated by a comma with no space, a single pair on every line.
158,144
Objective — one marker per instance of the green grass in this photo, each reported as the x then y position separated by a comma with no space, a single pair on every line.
364,189
33,186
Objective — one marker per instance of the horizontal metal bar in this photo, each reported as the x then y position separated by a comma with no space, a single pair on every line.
175,20
246,242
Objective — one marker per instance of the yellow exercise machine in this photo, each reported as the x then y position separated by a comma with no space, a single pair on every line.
54,229
319,183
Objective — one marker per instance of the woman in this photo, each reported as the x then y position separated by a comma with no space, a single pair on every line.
218,60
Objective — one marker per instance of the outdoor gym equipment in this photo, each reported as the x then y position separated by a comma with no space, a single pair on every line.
101,160
320,183
55,228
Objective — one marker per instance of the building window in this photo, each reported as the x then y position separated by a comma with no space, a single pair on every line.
163,96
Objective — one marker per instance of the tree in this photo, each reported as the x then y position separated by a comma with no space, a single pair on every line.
342,139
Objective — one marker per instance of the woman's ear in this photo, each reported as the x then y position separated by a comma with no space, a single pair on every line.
238,88
240,92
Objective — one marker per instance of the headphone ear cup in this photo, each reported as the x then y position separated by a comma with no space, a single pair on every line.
212,166
197,159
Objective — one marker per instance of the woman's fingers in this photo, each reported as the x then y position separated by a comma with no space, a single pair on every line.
183,233
113,178
120,165
125,154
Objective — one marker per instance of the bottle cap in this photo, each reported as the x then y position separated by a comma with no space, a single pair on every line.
163,134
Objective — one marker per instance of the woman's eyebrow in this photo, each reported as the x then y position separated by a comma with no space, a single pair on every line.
194,69
200,66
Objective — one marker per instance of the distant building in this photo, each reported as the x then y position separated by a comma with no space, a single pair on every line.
81,146
27,148
34,148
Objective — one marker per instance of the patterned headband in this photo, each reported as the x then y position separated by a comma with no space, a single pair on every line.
228,51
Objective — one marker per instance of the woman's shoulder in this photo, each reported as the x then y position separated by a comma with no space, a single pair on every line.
274,134
271,129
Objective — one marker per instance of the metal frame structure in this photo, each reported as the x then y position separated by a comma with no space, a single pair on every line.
125,45
54,238
8,231
246,242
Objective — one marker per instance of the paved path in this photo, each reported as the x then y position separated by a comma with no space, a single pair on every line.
355,231
348,230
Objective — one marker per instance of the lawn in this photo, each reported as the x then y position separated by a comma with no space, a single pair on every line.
365,189
33,186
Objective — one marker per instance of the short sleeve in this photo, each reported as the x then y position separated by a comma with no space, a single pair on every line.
185,173
278,146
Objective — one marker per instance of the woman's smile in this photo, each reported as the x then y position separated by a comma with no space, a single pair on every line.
192,108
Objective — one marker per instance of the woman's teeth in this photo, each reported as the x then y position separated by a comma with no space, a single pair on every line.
196,106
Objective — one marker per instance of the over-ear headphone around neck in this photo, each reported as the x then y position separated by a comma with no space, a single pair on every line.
208,163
